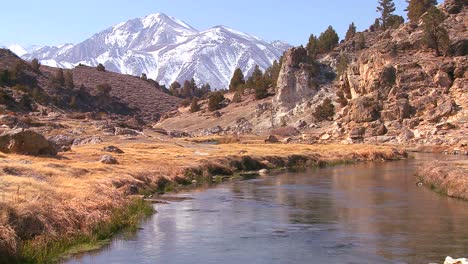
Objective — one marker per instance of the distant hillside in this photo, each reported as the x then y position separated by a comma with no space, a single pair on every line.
129,95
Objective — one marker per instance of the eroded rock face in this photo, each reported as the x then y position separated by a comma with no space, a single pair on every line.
295,79
26,142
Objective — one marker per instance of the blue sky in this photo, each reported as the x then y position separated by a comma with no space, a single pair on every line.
53,22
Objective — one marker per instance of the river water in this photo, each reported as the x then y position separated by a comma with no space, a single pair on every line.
363,213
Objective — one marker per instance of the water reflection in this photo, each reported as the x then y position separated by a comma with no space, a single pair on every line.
365,213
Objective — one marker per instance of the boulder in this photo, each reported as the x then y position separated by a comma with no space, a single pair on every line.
113,149
357,133
271,139
62,142
87,140
26,142
364,109
178,134
376,128
443,79
108,159
300,124
125,131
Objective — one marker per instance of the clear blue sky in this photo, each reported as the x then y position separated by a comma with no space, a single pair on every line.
53,22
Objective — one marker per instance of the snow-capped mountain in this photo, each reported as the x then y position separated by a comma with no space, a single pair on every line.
167,49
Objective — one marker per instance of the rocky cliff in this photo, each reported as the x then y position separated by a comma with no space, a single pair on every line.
394,90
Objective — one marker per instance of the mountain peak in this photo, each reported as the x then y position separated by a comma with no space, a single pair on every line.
160,19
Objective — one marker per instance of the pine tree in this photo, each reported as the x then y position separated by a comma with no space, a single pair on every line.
214,102
342,64
68,80
59,77
187,90
351,31
253,80
416,8
174,89
312,47
237,80
35,65
435,35
194,107
361,41
101,68
394,21
376,26
328,40
144,77
386,9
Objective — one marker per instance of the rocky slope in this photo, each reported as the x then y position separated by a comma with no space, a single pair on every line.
32,92
393,91
167,49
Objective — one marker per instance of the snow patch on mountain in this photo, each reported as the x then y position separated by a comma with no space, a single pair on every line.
167,50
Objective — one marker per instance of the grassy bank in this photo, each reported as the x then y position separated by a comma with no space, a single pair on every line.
53,250
448,178
52,207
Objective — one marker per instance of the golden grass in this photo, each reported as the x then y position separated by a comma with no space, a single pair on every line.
51,198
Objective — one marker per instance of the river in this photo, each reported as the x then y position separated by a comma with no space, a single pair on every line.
361,213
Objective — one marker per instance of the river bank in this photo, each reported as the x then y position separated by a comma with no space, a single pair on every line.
46,200
446,177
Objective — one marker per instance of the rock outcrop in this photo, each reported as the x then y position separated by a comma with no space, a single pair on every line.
26,142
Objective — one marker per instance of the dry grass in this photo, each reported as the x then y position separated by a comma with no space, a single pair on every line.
450,178
43,199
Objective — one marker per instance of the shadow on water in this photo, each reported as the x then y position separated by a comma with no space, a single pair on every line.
361,213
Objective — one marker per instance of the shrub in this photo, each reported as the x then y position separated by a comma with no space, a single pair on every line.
103,89
194,106
101,68
214,102
186,102
35,65
325,111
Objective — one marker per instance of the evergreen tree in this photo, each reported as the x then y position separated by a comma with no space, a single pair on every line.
328,40
394,21
174,89
351,31
416,8
376,26
342,64
214,102
255,77
59,78
194,107
386,9
187,89
237,80
35,65
101,68
144,77
435,35
361,41
312,47
68,80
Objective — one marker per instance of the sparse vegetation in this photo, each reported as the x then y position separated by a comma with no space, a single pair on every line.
435,34
104,89
325,111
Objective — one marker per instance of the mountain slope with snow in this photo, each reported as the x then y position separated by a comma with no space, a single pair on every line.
167,50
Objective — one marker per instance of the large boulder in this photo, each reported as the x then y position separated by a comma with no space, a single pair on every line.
364,109
26,142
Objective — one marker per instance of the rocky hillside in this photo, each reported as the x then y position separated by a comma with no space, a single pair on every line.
393,90
26,89
167,49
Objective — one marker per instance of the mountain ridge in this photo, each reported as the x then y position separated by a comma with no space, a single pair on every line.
167,49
